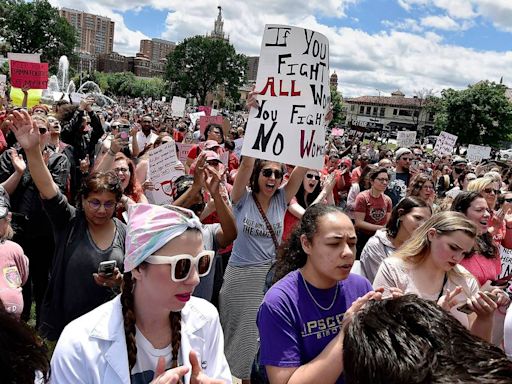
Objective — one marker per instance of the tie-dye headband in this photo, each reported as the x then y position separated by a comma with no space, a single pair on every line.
150,227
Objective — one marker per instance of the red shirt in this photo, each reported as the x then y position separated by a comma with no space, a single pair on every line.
374,208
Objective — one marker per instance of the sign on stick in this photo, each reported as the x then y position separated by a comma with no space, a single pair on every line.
445,143
30,75
178,106
478,152
162,172
405,138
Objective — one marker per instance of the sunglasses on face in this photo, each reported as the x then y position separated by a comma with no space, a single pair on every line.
491,190
267,172
316,177
181,265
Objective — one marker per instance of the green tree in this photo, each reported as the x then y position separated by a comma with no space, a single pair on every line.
200,65
36,27
480,114
337,108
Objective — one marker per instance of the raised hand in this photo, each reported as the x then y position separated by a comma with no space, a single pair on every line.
84,164
17,162
24,128
212,180
447,301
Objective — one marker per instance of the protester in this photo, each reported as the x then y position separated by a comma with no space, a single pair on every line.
372,208
449,178
213,137
409,214
83,237
155,324
422,186
411,340
428,265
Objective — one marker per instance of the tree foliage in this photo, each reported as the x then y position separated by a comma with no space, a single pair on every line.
480,114
200,65
36,27
337,108
126,84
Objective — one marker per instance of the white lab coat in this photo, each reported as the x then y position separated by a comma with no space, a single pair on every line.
92,348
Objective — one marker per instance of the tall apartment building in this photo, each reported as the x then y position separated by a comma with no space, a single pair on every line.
156,49
95,33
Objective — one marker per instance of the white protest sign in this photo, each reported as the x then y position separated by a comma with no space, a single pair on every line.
477,152
162,172
445,143
178,106
164,99
406,138
195,116
214,112
224,158
183,150
238,147
3,82
26,57
506,261
294,96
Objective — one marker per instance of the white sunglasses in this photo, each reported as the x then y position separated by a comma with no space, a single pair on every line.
181,265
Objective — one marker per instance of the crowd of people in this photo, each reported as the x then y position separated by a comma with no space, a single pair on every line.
388,265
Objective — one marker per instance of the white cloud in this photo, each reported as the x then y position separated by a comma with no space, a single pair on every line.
406,57
498,11
445,23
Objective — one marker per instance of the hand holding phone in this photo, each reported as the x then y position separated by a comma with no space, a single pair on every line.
467,309
106,268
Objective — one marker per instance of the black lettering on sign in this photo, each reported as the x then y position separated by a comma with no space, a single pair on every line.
317,49
281,36
263,138
265,114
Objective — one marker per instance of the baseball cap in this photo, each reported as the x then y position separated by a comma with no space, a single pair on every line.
5,204
459,160
212,155
209,144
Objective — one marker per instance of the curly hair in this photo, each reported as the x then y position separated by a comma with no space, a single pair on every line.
98,182
417,183
290,255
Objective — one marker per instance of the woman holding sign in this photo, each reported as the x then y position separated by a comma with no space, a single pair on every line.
259,211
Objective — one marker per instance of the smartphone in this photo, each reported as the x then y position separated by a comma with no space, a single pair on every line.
503,281
124,131
106,268
465,308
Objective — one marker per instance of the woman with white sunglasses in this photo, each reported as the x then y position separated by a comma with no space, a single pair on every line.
155,331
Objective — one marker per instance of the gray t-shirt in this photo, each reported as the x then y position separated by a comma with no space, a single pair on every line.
254,245
205,288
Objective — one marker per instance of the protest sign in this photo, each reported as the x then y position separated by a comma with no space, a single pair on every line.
214,112
26,57
506,261
405,138
294,97
162,172
183,150
30,75
224,158
337,132
178,106
445,143
238,147
195,116
205,120
76,97
3,82
207,110
164,99
478,152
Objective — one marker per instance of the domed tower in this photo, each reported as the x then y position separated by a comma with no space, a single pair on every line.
334,80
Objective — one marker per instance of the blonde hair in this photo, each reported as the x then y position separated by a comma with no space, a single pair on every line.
494,175
480,184
417,248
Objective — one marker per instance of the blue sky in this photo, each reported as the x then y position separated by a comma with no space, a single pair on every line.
375,44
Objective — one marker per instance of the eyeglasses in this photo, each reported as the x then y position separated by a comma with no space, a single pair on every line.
316,177
406,158
382,180
491,190
122,170
267,172
181,265
42,131
96,204
427,187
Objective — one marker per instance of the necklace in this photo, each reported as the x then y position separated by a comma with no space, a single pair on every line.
313,298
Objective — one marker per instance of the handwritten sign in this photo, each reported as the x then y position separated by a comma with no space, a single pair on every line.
207,110
183,150
31,75
162,172
294,96
506,261
3,82
195,116
445,143
178,106
478,152
238,147
406,138
205,120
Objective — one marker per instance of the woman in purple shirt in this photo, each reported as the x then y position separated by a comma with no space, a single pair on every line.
301,315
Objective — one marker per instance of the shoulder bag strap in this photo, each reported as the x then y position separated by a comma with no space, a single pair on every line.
267,223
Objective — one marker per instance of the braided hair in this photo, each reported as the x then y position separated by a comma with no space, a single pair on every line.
128,309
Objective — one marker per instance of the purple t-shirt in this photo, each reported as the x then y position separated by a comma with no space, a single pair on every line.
293,329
